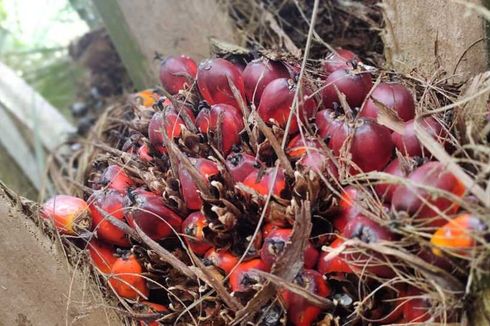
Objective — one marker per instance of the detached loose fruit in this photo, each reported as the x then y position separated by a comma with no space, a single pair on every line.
69,214
416,200
192,228
102,255
275,243
177,72
146,209
213,80
244,277
264,182
458,235
258,74
206,169
277,100
126,278
394,96
301,312
112,202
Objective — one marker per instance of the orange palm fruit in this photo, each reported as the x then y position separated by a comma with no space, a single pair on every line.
458,235
102,255
146,97
153,308
126,278
69,214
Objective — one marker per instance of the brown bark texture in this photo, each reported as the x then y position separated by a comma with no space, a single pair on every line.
37,284
176,27
428,35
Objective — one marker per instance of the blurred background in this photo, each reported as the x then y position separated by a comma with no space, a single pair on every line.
35,37
61,50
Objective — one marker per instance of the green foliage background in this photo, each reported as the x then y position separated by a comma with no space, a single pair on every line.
46,65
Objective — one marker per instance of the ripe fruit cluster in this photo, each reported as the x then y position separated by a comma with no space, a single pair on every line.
201,177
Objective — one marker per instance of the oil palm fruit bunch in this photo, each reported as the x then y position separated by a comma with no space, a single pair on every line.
251,189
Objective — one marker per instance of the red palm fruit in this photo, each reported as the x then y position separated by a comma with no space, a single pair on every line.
213,80
240,65
389,307
355,86
241,165
333,261
147,210
192,227
340,59
365,138
268,228
144,153
415,200
416,308
114,177
275,243
299,145
170,121
153,308
458,235
202,120
428,255
408,143
258,74
301,312
70,215
319,163
244,277
349,207
263,183
231,125
102,255
327,122
222,259
112,202
188,186
386,190
177,72
126,278
277,99
368,231
348,197
394,96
